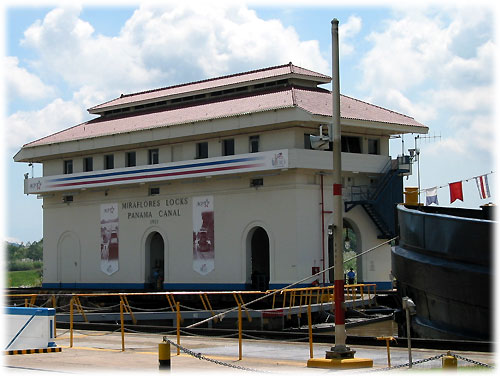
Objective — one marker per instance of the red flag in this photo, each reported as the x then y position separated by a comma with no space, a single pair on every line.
456,191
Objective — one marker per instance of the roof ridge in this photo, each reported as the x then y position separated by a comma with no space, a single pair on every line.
205,80
374,105
292,68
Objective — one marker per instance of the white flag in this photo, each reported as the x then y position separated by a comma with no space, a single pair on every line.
483,187
431,196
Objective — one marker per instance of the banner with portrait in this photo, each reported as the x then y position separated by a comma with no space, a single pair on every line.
109,238
203,234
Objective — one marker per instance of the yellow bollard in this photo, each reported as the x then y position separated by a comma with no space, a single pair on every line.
164,354
449,362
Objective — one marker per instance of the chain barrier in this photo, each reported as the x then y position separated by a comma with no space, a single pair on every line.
471,361
218,362
275,340
221,336
408,364
434,358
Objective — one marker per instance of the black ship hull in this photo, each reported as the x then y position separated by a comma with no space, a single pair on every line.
443,262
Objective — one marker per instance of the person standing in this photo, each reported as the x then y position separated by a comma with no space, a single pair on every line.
351,275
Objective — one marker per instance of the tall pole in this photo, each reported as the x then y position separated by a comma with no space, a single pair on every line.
340,350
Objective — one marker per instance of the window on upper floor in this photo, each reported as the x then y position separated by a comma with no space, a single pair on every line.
153,156
307,141
88,164
201,150
109,161
351,144
254,144
153,191
130,159
373,146
68,166
228,146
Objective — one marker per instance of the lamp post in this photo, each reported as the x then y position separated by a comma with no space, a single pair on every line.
340,350
410,309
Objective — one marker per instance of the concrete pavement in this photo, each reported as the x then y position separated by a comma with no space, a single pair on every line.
97,352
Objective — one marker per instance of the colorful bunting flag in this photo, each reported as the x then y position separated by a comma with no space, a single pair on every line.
483,186
456,192
431,196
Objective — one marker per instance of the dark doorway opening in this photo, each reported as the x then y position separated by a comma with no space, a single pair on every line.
260,259
155,258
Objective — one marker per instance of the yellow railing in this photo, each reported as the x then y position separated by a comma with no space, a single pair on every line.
296,297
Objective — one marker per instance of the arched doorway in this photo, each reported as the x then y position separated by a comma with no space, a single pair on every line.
258,243
155,261
351,241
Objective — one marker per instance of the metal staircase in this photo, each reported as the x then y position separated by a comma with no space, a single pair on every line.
379,203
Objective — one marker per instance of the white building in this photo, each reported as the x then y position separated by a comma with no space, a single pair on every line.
213,183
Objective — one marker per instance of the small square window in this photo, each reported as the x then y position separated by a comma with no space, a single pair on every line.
351,144
228,146
153,191
153,156
67,198
88,164
254,144
202,150
68,166
258,182
130,159
109,161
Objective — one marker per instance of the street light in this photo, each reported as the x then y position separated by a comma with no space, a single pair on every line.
410,309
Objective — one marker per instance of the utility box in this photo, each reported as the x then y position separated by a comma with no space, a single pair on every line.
411,195
29,328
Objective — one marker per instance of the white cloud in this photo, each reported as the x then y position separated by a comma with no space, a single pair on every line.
348,31
25,126
443,62
23,84
158,46
166,45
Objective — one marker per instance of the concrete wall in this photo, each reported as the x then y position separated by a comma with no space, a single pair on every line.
287,206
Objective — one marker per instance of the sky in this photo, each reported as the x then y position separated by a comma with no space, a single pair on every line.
434,62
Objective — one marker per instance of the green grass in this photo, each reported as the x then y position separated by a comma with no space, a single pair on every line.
25,278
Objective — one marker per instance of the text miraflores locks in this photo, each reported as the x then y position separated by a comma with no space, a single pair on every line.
158,208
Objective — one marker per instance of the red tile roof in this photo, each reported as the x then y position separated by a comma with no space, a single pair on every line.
218,82
315,101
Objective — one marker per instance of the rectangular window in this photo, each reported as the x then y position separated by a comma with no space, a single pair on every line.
373,146
68,166
88,164
153,191
109,161
130,159
67,199
254,144
202,150
153,156
228,146
307,141
351,144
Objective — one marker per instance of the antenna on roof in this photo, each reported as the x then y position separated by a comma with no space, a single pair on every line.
416,152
